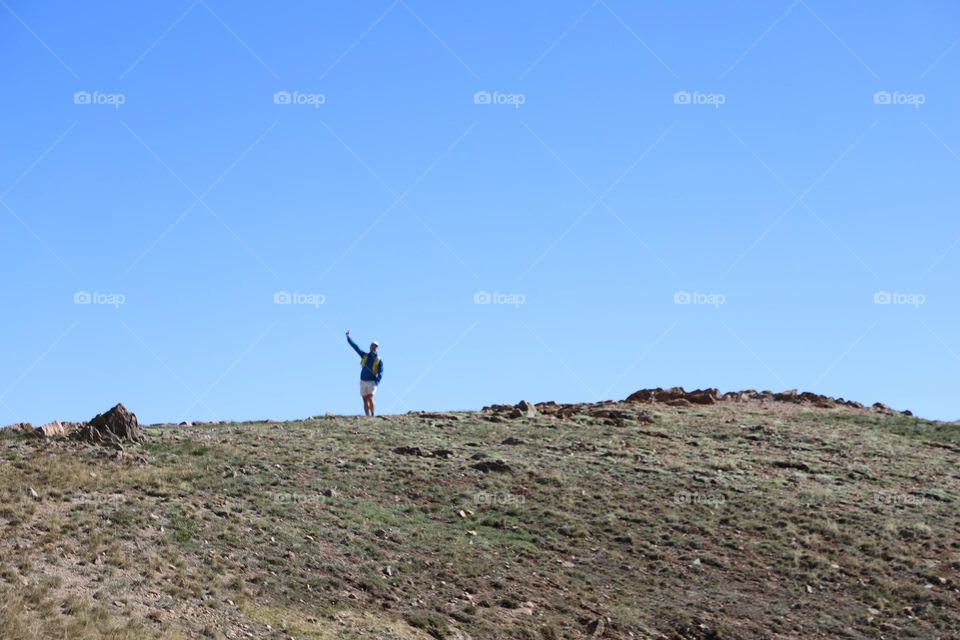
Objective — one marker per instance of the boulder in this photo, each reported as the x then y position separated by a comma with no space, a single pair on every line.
51,430
526,409
643,395
790,395
498,466
657,395
116,425
496,408
549,408
703,396
676,396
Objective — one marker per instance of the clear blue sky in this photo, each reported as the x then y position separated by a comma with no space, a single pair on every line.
147,160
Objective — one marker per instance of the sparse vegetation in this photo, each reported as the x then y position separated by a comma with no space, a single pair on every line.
731,520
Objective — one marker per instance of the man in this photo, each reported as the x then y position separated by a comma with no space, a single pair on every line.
371,372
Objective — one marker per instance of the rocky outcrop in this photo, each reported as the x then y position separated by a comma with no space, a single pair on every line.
118,425
55,429
678,397
525,409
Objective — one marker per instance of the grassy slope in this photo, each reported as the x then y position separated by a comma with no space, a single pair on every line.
727,521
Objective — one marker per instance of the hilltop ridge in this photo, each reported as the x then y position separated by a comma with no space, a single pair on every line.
670,514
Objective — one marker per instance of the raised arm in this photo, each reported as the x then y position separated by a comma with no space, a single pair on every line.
353,344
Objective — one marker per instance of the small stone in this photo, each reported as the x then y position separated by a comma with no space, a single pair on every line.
596,627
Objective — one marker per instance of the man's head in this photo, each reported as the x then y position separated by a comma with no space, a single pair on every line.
374,346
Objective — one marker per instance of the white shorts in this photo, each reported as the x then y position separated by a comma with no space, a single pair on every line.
368,388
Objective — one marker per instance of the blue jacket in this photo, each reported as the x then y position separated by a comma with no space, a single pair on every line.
371,364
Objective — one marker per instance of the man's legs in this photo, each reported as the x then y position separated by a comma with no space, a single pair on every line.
368,405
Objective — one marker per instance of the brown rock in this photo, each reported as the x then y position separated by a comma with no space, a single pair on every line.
116,425
51,430
547,408
703,396
790,395
646,395
596,628
675,396
498,466
526,409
